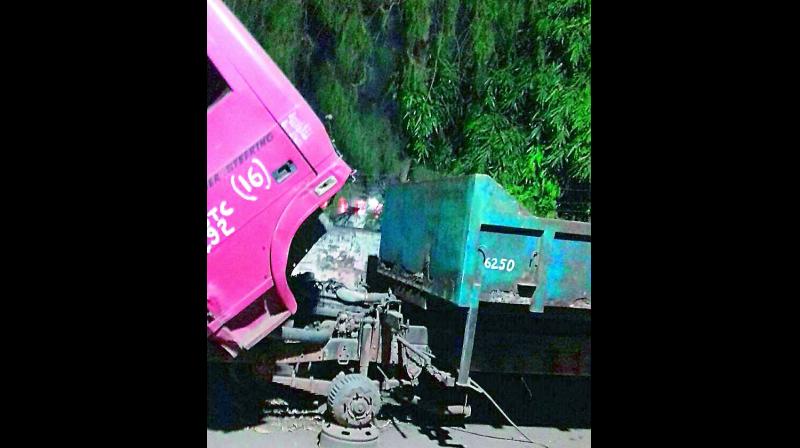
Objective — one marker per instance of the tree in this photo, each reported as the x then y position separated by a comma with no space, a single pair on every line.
501,87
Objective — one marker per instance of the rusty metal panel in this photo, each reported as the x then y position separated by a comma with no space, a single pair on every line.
424,229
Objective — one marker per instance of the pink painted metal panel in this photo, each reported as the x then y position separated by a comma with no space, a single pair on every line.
269,165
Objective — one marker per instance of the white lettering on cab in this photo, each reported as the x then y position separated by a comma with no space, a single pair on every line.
216,224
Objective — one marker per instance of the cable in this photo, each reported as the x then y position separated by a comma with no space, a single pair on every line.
476,387
488,436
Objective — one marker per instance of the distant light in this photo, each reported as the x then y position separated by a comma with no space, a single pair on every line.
361,205
374,206
373,203
341,206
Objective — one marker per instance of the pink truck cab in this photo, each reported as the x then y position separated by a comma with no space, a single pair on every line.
270,164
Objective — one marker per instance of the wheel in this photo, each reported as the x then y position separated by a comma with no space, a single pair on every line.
354,400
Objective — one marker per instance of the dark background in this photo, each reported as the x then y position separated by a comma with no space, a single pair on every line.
106,183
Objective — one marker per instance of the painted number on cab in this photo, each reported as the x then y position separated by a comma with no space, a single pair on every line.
501,264
255,179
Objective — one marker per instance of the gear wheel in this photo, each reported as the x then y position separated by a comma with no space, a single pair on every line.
354,400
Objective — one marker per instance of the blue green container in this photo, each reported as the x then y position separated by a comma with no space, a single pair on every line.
466,240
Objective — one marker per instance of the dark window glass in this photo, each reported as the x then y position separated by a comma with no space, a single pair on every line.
217,87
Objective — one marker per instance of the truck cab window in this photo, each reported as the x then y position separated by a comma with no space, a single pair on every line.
216,87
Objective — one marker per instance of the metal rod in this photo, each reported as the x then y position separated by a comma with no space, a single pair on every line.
466,346
413,349
310,336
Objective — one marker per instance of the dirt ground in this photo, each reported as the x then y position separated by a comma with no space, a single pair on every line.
554,412
407,434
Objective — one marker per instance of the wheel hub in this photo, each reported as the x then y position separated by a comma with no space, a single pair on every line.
353,400
335,436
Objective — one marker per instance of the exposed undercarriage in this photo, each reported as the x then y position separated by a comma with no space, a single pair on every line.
364,337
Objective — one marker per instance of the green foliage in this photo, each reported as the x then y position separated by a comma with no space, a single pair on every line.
496,134
417,110
417,21
365,138
359,129
353,48
277,26
510,18
332,13
482,32
501,87
563,123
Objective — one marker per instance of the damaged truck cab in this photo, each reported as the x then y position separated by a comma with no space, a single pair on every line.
270,165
